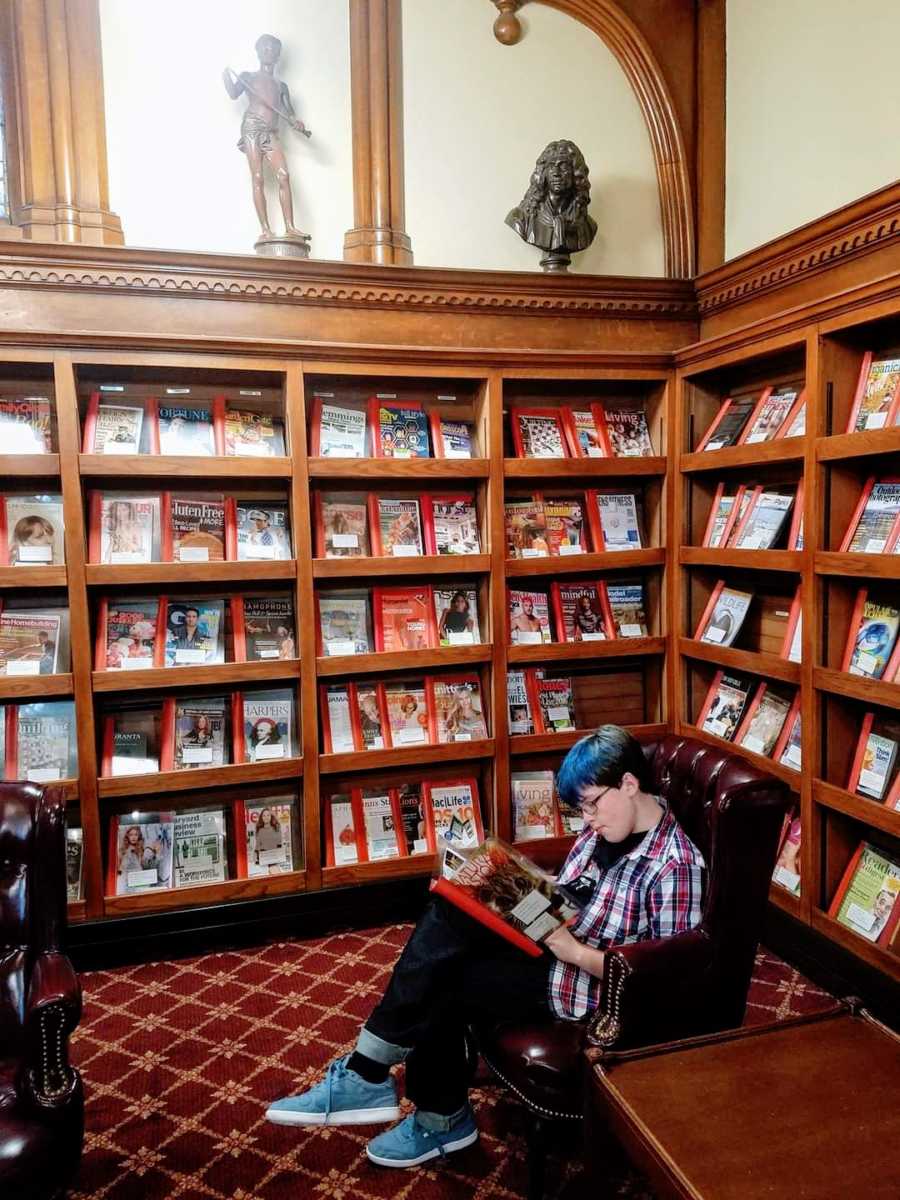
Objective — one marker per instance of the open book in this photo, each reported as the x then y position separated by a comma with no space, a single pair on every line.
507,893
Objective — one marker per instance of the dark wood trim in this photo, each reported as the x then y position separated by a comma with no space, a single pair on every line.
710,66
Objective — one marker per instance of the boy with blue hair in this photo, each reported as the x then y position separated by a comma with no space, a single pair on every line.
641,877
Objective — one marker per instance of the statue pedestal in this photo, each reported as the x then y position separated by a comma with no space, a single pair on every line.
556,261
285,245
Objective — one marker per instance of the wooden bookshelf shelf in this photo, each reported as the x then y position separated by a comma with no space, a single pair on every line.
234,775
754,560
397,469
864,567
786,901
174,679
858,807
757,455
37,578
770,666
858,445
214,893
857,687
185,574
376,872
409,661
876,956
152,466
791,778
427,565
404,756
582,652
578,564
583,468
77,910
26,687
23,466
558,743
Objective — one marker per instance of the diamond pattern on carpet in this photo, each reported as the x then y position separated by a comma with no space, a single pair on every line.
180,1059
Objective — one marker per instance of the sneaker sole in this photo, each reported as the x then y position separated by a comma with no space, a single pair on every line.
352,1116
449,1147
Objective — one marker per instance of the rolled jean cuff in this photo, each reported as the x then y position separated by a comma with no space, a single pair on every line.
437,1122
370,1045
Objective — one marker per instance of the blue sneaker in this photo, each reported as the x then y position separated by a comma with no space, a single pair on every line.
342,1098
409,1143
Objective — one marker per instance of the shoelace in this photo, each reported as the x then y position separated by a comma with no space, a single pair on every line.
333,1071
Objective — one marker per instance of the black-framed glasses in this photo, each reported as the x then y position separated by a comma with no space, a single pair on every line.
589,807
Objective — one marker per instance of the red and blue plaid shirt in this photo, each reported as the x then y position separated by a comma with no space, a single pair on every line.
654,891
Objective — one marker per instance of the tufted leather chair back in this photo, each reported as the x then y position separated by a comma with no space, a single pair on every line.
32,893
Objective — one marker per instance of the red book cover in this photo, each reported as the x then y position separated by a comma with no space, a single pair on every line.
325,718
462,810
239,629
231,550
374,526
748,716
90,423
455,709
4,538
791,417
109,726
238,748
167,735
437,438
892,669
860,751
857,513
218,417
713,510
717,421
538,433
466,536
151,414
796,519
593,520
409,443
404,618
165,521
531,675
855,620
399,828
100,639
95,505
845,881
708,701
463,901
733,516
859,395
240,839
786,730
708,611
892,799
580,437
358,832
793,618
315,428
579,612
734,537
751,420
112,853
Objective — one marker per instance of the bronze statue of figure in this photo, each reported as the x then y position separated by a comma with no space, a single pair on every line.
269,102
554,212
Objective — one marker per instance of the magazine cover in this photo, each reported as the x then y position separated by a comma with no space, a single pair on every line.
556,701
199,733
764,521
518,703
127,635
269,837
141,852
413,818
724,706
724,615
770,415
186,430
620,524
538,433
877,767
787,866
452,813
874,639
34,531
371,714
131,742
761,728
344,622
585,431
46,744
195,632
565,532
454,523
200,848
876,522
876,395
129,528
399,525
404,619
252,434
338,430
380,826
789,752
117,429
795,425
867,899
337,722
342,846
25,425
267,628
74,864
728,424
267,719
262,531
401,428
196,528
456,613
526,529
626,603
627,429
746,496
580,612
721,512
407,710
342,527
533,805
529,618
457,707
451,438
29,642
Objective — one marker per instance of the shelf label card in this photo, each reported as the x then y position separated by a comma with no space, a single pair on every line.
341,647
593,637
860,917
196,754
35,554
266,751
27,666
754,743
269,858
792,756
43,774
787,879
411,736
148,878
630,630
190,657
564,550
252,550
406,551
528,637
714,634
193,554
461,637
876,420
122,558
533,552
137,664
345,541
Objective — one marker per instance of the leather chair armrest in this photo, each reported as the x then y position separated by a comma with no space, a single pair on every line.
653,991
52,1011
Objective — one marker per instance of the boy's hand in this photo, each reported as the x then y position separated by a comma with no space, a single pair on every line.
564,946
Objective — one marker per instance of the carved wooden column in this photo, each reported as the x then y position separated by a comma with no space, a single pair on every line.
376,81
56,135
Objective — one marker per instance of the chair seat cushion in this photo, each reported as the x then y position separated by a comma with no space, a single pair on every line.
540,1062
37,1157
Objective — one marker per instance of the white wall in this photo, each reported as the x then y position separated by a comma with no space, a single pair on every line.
813,96
176,177
478,114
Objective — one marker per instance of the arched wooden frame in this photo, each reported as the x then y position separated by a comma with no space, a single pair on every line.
636,59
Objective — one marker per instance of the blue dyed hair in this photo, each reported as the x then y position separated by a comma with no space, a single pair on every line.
600,760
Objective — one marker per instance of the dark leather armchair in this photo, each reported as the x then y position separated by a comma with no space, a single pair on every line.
41,1099
659,991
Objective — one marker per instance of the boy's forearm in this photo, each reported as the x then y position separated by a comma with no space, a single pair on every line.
593,961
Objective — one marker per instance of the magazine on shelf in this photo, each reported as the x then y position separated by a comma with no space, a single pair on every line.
261,531
29,641
451,524
140,853
534,805
187,429
565,525
396,524
452,813
251,434
399,427
867,900
131,742
456,616
499,887
193,528
194,733
404,618
44,742
338,430
763,721
792,647
768,418
521,702
627,432
74,864
627,608
455,704
728,423
788,750
345,840
529,617
342,525
195,632
795,423
409,796
764,520
370,715
338,732
556,705
581,612
124,529
268,837
526,529
745,499
263,628
585,430
724,615
200,855
407,711
724,705
872,637
31,531
451,438
344,626
787,865
722,515
877,398
538,433
875,524
115,427
25,425
618,518
381,822
131,634
874,762
263,725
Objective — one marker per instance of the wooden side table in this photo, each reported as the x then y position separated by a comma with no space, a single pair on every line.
796,1110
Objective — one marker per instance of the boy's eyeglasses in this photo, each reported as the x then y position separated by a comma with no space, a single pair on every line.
589,807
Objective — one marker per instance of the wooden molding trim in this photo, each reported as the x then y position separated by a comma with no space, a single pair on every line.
840,236
242,277
637,60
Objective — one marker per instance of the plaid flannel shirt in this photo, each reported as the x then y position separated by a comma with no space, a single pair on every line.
654,891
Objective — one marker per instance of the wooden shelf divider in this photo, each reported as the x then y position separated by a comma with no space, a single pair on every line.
770,666
429,565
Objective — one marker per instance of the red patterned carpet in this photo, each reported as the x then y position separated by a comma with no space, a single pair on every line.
180,1059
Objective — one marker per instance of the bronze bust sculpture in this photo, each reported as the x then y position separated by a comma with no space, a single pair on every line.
269,103
553,214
